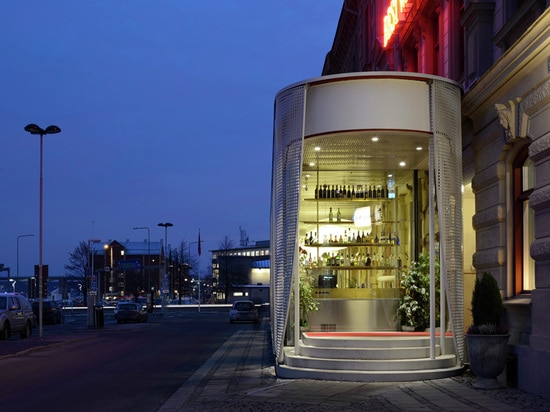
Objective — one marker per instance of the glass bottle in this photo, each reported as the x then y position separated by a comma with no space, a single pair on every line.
330,216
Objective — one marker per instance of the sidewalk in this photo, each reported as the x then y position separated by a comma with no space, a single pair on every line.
240,376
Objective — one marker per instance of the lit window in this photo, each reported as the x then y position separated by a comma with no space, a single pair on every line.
524,182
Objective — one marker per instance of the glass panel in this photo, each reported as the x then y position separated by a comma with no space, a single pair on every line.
528,175
528,237
355,226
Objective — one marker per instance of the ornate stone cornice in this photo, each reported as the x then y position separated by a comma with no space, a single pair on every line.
508,116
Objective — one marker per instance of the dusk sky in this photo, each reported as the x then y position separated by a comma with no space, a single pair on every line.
166,112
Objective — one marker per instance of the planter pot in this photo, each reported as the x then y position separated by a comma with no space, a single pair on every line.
487,354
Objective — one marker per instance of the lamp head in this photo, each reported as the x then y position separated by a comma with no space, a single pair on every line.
35,129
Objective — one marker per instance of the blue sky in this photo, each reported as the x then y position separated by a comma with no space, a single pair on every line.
166,111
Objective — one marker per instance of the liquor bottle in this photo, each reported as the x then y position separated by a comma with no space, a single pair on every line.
330,216
338,216
332,192
382,193
316,191
368,261
370,192
344,194
353,192
324,196
311,238
378,192
399,262
349,192
376,239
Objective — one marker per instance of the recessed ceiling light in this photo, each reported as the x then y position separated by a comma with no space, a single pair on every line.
402,164
390,175
317,148
374,139
419,148
312,164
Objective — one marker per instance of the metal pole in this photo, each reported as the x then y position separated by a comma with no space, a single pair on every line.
165,275
148,261
40,286
198,269
34,129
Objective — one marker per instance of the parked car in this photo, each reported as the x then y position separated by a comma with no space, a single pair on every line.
243,310
130,312
52,311
16,316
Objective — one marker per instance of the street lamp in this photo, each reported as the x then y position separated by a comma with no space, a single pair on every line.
148,262
34,129
198,266
97,288
165,275
18,237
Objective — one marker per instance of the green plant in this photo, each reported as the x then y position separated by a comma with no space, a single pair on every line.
488,312
414,307
307,303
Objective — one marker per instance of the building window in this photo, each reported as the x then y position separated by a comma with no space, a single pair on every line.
524,181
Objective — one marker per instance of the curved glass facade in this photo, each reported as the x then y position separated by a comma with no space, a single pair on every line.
366,179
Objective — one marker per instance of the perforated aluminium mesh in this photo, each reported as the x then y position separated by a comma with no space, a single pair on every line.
448,181
285,191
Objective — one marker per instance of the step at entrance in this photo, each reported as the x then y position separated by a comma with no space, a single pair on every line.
369,357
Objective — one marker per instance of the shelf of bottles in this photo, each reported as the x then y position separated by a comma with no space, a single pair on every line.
351,248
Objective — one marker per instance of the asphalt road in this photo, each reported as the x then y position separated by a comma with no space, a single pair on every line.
119,368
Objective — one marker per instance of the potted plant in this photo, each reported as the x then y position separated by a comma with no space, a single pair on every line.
488,337
307,304
413,310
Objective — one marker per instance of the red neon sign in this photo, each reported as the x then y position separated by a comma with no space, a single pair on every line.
392,18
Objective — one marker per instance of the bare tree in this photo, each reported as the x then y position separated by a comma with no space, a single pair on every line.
225,264
79,261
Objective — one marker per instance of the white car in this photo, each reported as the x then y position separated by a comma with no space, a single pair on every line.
16,316
243,310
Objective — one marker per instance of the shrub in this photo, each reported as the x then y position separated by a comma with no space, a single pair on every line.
487,309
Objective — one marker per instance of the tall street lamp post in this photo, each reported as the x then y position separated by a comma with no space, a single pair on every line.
164,285
17,269
34,129
149,295
198,266
95,287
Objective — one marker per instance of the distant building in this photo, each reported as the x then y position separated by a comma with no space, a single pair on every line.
128,268
242,272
